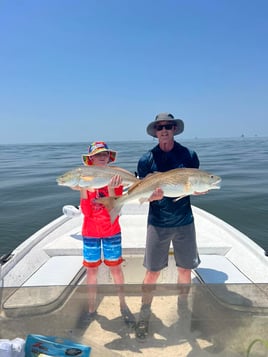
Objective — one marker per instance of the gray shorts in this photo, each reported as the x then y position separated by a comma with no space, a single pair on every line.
158,243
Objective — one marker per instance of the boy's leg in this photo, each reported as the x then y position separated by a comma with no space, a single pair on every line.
118,278
92,288
92,260
112,252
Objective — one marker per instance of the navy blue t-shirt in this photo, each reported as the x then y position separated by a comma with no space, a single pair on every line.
166,212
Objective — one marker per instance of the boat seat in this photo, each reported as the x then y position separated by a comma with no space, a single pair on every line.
58,270
47,288
229,285
217,269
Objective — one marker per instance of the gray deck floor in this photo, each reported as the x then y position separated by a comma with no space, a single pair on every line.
209,329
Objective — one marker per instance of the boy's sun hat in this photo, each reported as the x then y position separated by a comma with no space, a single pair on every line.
179,125
95,148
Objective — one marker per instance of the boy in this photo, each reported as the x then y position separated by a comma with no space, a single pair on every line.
97,231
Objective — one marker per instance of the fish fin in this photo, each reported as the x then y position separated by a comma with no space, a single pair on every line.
142,200
139,181
187,188
122,170
110,205
108,202
90,189
152,173
86,178
127,186
178,198
131,187
115,211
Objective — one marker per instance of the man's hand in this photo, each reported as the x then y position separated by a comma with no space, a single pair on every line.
157,195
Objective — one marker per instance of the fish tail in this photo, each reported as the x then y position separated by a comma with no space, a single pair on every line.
108,202
115,212
112,206
142,200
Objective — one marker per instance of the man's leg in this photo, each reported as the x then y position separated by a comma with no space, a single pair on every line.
148,286
184,281
155,259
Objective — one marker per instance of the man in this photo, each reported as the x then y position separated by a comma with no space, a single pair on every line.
168,220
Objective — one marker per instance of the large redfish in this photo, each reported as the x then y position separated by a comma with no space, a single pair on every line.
175,183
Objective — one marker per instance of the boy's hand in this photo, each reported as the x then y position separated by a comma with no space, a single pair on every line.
115,181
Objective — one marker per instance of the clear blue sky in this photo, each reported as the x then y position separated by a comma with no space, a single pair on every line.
83,70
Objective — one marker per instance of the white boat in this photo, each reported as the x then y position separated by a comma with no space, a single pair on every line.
43,290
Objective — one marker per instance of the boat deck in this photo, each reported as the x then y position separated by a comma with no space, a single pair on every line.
225,303
57,260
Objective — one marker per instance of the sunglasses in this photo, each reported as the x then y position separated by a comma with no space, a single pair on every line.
166,126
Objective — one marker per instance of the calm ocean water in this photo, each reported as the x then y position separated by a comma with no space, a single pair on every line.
30,197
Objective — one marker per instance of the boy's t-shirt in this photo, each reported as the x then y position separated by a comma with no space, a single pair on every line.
97,222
